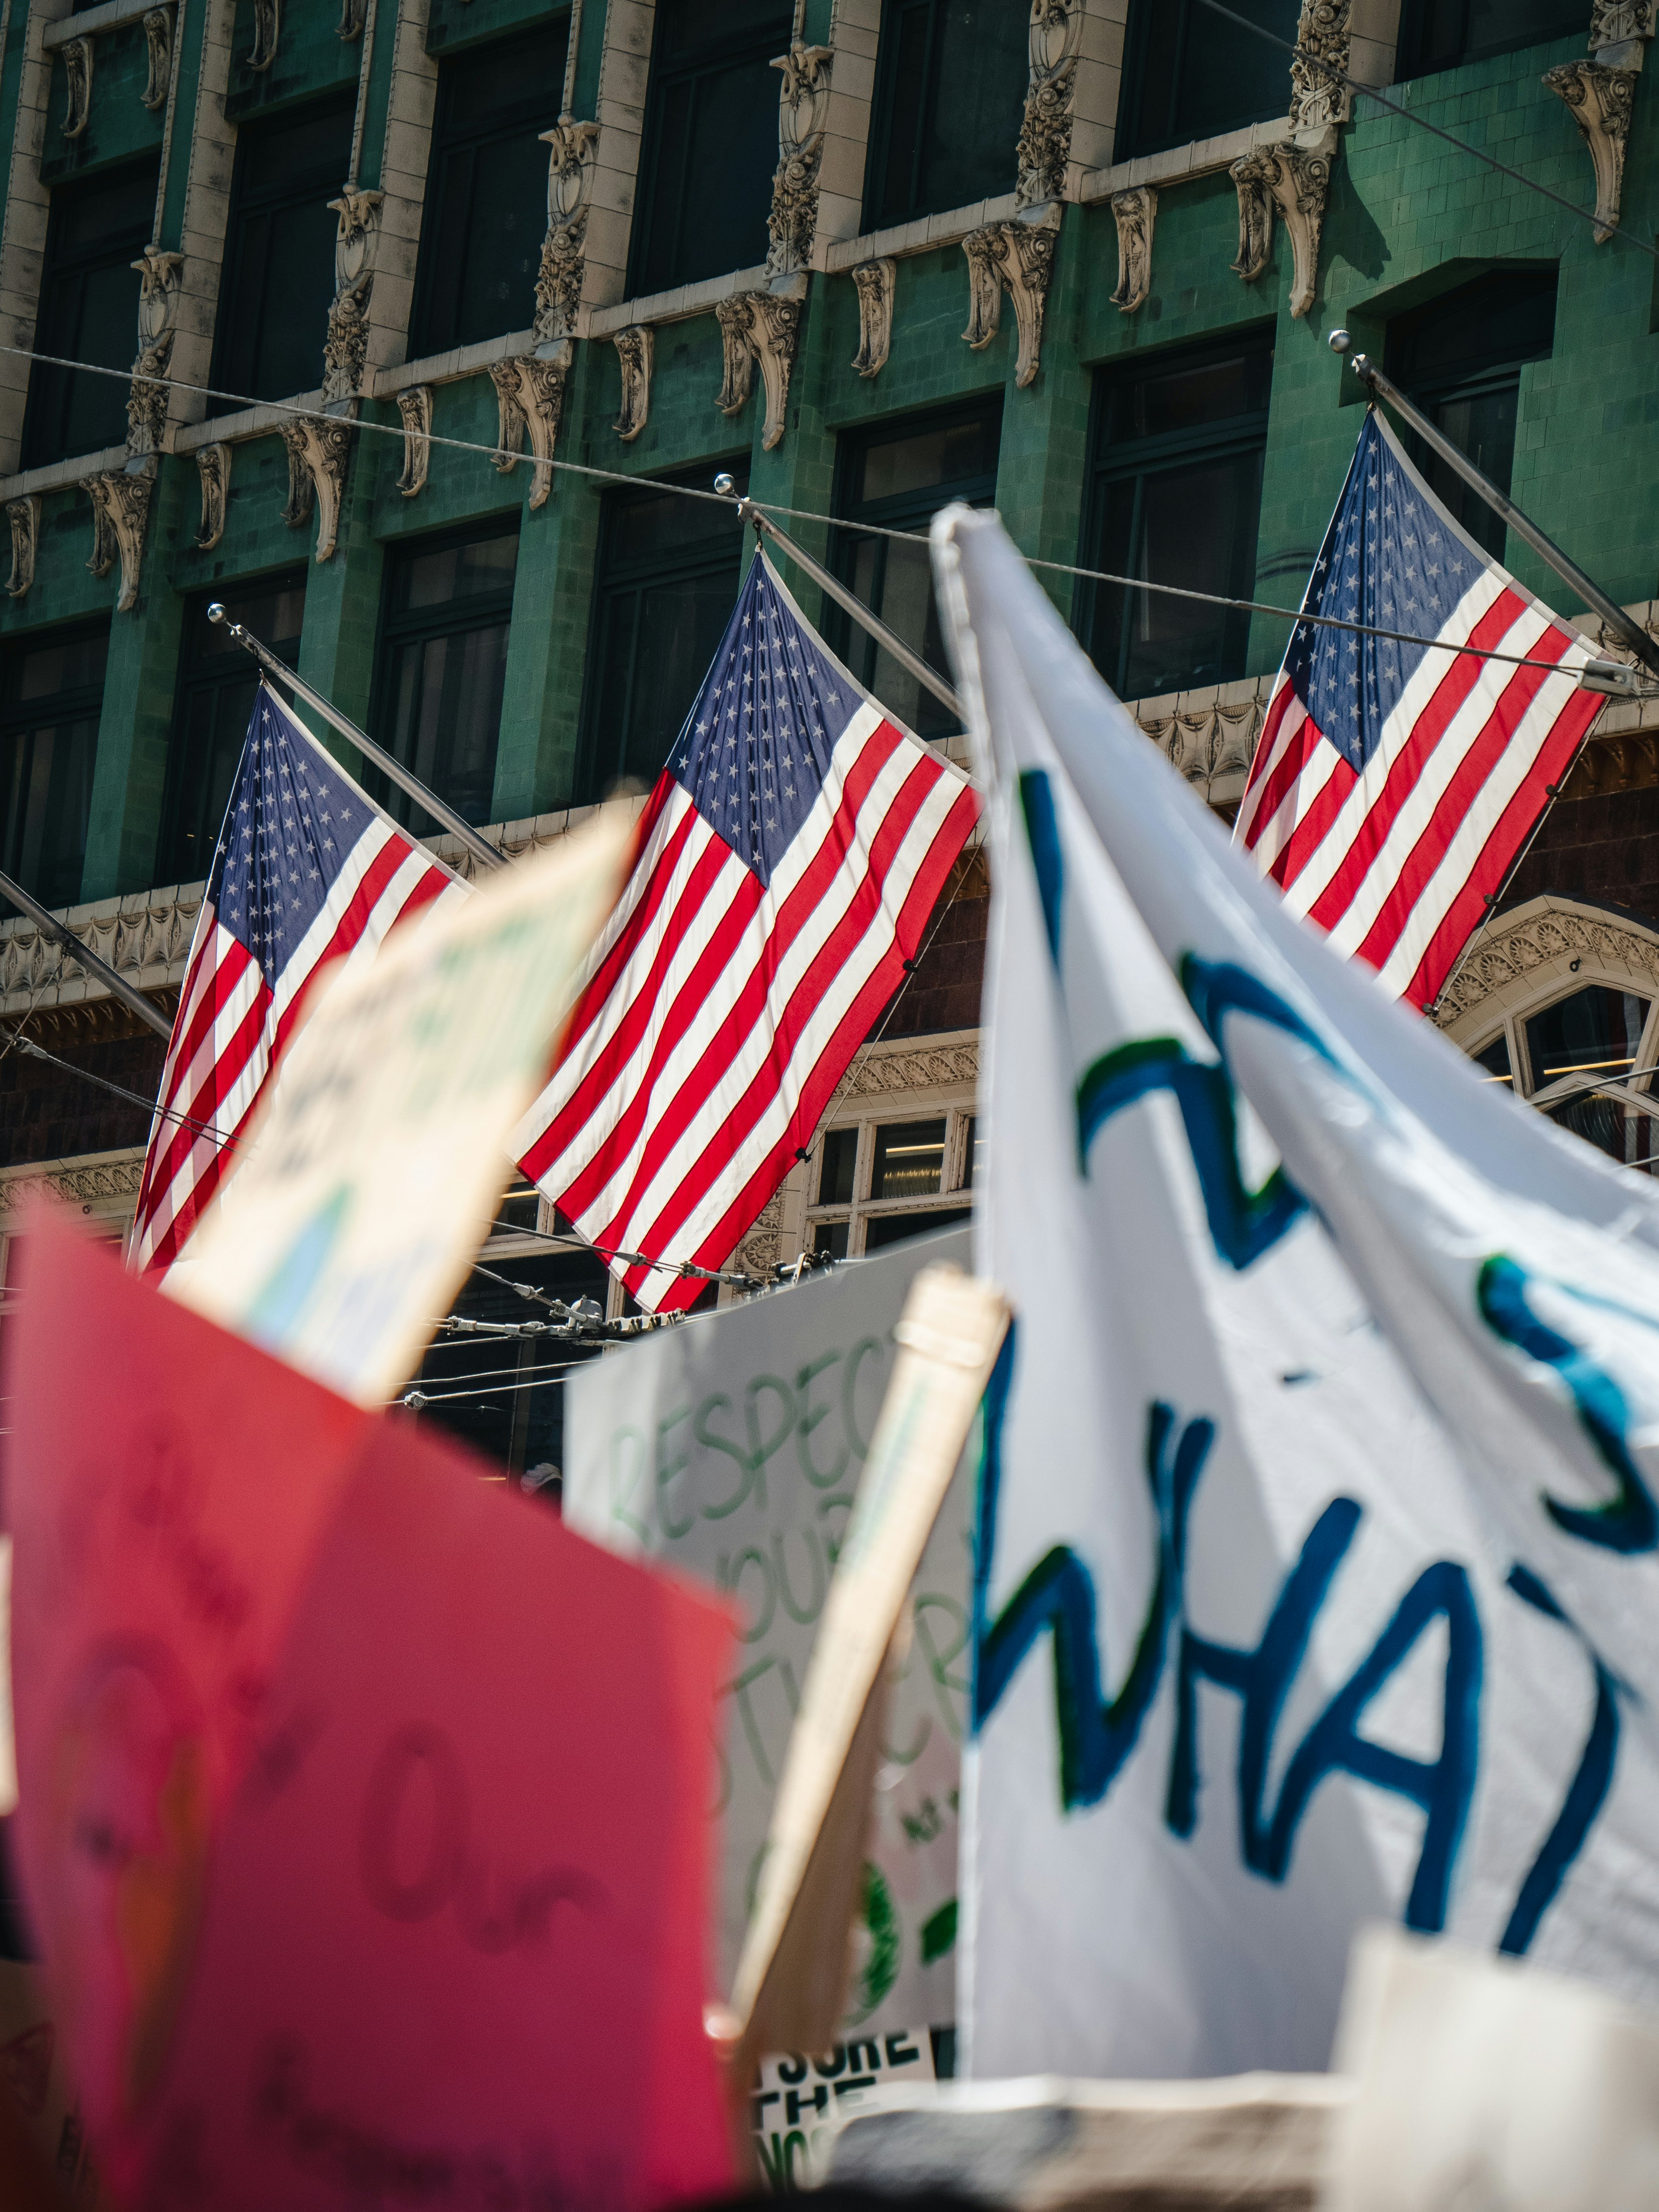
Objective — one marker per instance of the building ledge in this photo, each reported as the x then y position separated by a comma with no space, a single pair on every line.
1177,163
62,475
110,16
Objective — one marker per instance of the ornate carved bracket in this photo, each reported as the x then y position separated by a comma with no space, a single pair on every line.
634,350
875,280
353,15
213,466
1600,101
24,516
759,327
1317,102
318,454
77,85
1619,29
415,405
571,148
530,392
1134,211
803,109
158,44
1019,257
120,509
345,349
1044,147
1296,183
267,31
159,275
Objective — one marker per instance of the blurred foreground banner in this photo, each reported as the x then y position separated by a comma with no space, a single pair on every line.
732,1447
362,1821
1318,1557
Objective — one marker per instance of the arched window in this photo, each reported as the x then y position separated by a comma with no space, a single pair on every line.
1560,999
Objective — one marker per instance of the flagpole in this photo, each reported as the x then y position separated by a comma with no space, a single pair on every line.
457,824
1629,632
855,606
117,985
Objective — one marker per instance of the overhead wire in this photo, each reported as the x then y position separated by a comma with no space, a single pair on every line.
729,501
32,1051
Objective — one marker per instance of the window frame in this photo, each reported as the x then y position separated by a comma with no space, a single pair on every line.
713,56
422,342
1635,1092
1154,455
878,146
47,386
20,720
1128,146
482,611
1413,37
958,1109
593,705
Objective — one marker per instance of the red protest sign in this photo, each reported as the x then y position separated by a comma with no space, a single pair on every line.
362,1807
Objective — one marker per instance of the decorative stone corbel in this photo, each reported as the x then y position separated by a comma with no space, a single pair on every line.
1619,31
1295,183
1318,101
875,280
77,85
353,14
1134,210
761,327
1600,101
415,405
803,110
267,31
345,349
318,454
158,44
635,348
1044,147
530,394
510,427
1019,257
24,516
120,509
159,275
213,466
571,148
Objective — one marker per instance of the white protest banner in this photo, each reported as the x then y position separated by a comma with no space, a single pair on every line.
731,1446
369,1177
1318,1548
801,2101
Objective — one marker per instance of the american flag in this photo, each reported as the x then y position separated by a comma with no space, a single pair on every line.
1394,785
789,857
307,870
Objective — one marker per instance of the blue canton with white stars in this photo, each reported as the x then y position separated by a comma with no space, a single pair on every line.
755,748
1392,557
292,820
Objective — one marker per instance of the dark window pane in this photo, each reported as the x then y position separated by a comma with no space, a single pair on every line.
884,1229
1624,1133
830,1236
909,1159
1594,1032
217,689
897,477
975,1162
278,278
711,141
841,1152
443,671
51,697
668,572
1495,1059
89,312
486,201
1175,498
1190,75
950,86
1437,34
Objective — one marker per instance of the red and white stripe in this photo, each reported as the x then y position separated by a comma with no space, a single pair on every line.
231,1026
1396,863
720,1013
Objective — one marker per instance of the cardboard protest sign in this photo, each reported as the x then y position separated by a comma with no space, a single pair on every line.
362,1816
948,1339
730,1447
802,2099
371,1175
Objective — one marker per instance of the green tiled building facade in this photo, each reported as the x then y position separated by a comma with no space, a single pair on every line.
1079,257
